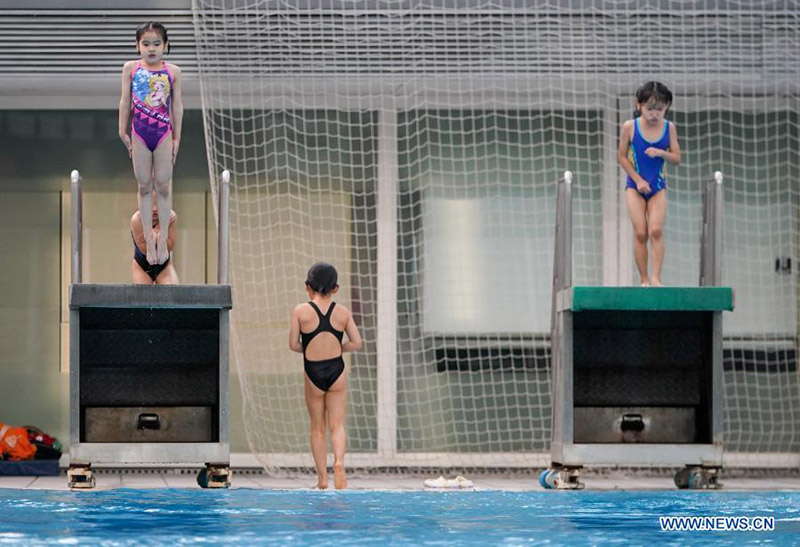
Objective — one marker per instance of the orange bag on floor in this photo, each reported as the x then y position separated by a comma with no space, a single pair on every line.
14,444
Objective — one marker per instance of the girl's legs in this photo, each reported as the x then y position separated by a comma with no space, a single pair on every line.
336,405
138,275
162,177
143,171
168,276
637,208
315,402
656,215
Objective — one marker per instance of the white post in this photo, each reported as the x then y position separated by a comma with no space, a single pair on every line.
222,230
386,343
77,227
711,240
719,212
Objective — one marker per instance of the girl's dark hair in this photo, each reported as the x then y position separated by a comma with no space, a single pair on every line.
322,278
155,26
653,90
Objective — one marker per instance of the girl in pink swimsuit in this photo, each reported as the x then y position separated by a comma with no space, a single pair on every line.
151,91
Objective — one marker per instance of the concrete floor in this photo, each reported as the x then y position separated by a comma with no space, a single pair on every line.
249,478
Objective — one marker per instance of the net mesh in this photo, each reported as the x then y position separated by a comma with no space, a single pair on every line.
416,145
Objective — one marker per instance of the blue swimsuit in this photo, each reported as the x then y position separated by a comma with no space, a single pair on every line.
323,374
650,169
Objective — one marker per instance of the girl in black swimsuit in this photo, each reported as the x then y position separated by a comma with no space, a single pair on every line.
317,331
142,271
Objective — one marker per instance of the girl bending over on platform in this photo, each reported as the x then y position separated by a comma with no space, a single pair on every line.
645,144
151,88
316,331
143,272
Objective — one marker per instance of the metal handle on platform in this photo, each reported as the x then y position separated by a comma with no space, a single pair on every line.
77,226
224,200
631,422
148,421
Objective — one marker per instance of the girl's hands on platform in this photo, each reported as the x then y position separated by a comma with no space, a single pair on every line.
126,140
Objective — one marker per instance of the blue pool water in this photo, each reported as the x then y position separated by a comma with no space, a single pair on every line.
245,517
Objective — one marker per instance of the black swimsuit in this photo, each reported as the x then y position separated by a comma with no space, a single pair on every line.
153,270
322,374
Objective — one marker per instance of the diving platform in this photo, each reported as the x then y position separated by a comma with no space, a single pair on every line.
578,299
149,374
149,371
637,371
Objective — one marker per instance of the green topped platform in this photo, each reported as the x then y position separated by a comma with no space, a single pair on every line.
637,371
579,299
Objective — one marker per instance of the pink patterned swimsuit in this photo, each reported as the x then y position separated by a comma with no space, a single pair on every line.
151,97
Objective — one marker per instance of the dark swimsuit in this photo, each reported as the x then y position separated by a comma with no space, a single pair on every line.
153,270
322,374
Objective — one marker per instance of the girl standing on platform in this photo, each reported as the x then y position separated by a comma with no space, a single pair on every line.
645,144
151,87
316,331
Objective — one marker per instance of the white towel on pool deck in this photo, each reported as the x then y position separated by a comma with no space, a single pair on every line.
458,483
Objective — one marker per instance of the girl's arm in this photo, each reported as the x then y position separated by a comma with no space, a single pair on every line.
172,234
294,332
136,230
673,153
625,137
177,111
354,341
125,105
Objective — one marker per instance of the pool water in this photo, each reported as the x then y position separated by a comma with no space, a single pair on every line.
246,517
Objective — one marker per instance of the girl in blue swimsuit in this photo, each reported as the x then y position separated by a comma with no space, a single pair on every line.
646,143
316,331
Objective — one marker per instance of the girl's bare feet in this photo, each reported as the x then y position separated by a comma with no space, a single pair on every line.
645,283
322,483
339,476
657,282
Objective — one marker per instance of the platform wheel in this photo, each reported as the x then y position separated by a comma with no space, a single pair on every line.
697,477
80,476
561,478
215,475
